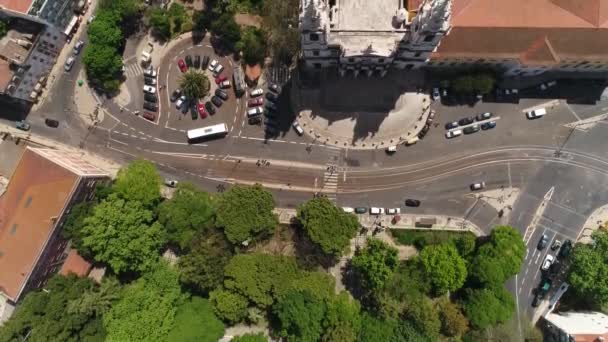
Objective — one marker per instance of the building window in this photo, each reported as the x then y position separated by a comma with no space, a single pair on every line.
314,37
315,53
429,38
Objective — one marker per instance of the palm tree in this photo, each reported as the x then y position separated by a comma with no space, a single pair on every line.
194,84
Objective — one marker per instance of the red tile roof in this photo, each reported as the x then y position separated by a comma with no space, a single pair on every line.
33,201
74,263
21,6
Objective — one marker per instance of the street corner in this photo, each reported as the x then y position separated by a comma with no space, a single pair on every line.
597,220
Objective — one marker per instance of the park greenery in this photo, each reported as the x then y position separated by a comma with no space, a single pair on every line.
452,290
194,84
588,270
168,23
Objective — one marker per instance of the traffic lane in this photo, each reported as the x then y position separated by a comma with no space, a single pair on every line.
592,141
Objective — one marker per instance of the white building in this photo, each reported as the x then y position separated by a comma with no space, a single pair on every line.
577,327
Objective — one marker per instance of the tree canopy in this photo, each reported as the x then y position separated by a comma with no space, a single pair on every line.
486,307
424,317
194,84
260,337
499,258
327,225
589,269
147,307
187,214
280,20
376,264
445,268
122,234
342,321
139,181
245,213
73,225
300,316
229,306
225,27
375,329
196,322
453,322
253,45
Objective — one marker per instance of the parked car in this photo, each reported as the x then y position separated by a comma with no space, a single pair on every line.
478,186
542,243
564,252
272,97
258,101
471,129
22,125
451,125
149,89
220,79
91,18
150,97
197,61
221,94
348,210
213,64
547,262
391,149
180,102
175,95
193,110
376,211
274,87
218,70
189,61
410,202
536,301
185,106
360,210
537,113
488,125
150,72
149,116
225,84
271,106
150,106
393,211
254,111
256,92
435,95
182,66
270,130
205,62
298,128
216,101
150,81
556,245
171,183
69,63
453,134
483,116
256,120
201,110
466,121
270,122
209,107
78,47
51,123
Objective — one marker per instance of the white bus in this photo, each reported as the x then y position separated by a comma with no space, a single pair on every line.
207,132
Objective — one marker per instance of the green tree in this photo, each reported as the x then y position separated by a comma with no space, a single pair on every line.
589,269
147,307
97,300
406,331
424,316
499,258
465,244
483,83
328,226
160,22
203,266
253,45
300,316
374,329
342,320
187,214
102,63
229,306
123,235
104,31
194,84
260,337
281,21
74,223
225,27
443,266
139,181
196,322
486,307
42,315
453,322
245,213
376,263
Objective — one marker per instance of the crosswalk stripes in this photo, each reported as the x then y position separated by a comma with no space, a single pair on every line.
278,75
330,182
134,70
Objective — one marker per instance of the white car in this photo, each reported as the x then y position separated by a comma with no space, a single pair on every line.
537,113
478,186
78,47
218,69
180,102
376,211
298,128
69,63
213,64
435,94
254,112
393,211
225,84
149,89
348,210
150,72
256,92
547,262
453,134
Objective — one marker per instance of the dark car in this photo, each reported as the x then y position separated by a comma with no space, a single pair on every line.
270,114
272,97
483,116
451,125
566,249
193,110
410,202
51,123
256,120
270,122
150,97
221,94
271,130
271,106
471,129
209,107
205,62
150,81
360,210
150,106
422,133
185,106
175,95
542,243
197,61
466,121
488,125
189,61
274,87
216,101
536,300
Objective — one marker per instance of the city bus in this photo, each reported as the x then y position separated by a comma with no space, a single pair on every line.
208,132
238,78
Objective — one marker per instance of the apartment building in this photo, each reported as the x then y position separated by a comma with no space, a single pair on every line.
576,327
58,13
40,194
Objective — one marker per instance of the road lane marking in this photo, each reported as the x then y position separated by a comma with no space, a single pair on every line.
509,173
572,111
537,215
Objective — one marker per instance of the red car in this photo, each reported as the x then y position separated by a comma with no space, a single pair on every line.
258,101
182,65
201,110
149,116
220,79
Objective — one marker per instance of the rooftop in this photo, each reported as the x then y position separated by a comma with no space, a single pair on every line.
365,15
21,6
74,263
586,325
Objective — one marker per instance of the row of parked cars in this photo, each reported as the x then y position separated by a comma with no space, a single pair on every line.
150,94
550,266
69,63
410,202
468,121
265,105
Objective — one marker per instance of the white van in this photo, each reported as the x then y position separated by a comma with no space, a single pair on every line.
348,210
376,211
453,133
537,113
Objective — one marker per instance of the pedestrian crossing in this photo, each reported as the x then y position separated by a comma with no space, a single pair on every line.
279,75
133,70
330,182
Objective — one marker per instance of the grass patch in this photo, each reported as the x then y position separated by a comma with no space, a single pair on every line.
421,238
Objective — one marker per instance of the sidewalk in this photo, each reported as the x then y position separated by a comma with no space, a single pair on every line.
597,219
